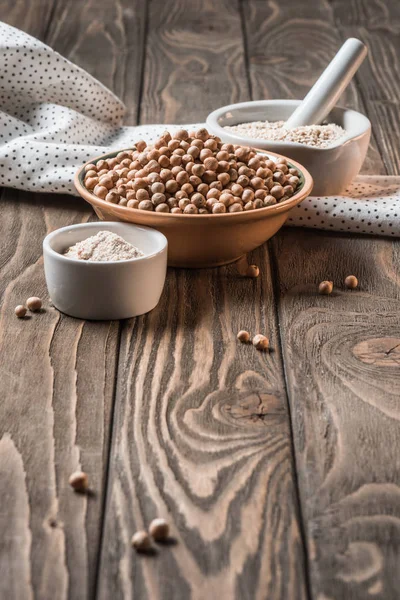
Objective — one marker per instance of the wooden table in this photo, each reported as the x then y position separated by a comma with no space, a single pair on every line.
279,473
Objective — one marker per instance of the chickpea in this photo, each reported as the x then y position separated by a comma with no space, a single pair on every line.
213,193
289,191
20,311
202,134
277,192
224,178
243,336
133,203
112,197
198,170
194,151
252,271
162,208
79,481
100,191
351,282
218,208
258,203
210,163
142,195
235,207
164,161
183,203
141,541
145,205
181,134
226,199
217,185
325,288
269,200
198,200
158,198
191,209
139,183
182,177
249,206
237,189
165,175
176,211
159,530
203,188
171,186
157,188
223,166
188,188
260,342
209,176
90,167
141,145
195,181
180,194
91,182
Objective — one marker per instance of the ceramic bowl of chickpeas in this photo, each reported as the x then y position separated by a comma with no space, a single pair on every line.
213,201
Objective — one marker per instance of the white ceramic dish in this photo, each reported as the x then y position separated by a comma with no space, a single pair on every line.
105,290
332,168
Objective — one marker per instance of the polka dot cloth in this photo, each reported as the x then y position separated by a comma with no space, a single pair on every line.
369,205
54,117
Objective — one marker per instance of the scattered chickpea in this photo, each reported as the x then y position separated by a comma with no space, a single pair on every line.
34,303
351,282
325,287
159,530
252,271
243,336
20,311
260,342
141,541
79,481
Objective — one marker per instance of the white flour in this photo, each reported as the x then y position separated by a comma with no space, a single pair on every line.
104,246
319,136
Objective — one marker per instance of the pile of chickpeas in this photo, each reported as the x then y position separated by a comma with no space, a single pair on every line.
191,173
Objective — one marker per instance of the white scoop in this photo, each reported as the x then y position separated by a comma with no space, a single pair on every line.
326,91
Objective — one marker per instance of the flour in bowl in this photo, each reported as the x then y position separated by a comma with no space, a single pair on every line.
318,136
102,247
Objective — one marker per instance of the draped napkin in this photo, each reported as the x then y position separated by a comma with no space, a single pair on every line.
54,117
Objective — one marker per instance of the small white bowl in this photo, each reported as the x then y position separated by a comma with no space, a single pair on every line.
332,168
105,290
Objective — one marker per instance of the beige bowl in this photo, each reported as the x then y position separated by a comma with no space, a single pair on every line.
204,240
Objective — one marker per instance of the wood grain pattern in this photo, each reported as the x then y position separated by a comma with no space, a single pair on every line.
340,353
32,17
288,46
202,438
56,385
107,40
194,60
341,359
377,23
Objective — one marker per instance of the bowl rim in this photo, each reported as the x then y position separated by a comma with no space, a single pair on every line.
304,191
212,123
101,263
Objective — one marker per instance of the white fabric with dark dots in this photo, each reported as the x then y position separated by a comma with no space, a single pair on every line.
54,117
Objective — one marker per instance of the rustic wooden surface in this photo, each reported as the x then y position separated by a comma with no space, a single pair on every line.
279,473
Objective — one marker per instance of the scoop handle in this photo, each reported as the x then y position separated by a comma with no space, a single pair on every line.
325,92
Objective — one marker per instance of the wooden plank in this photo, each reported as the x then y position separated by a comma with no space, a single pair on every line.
57,381
201,437
194,60
56,389
32,17
340,353
342,364
288,48
377,24
107,40
201,431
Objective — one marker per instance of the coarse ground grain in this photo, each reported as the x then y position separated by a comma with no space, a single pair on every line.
104,246
318,136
